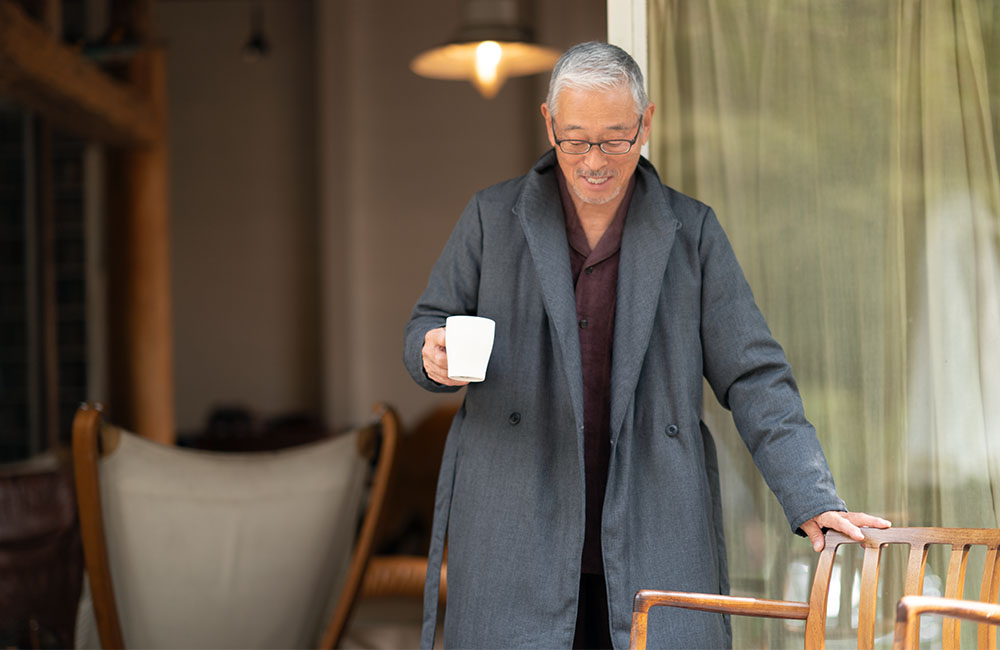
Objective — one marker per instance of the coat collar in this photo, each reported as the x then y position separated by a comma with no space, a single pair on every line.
540,211
650,229
649,234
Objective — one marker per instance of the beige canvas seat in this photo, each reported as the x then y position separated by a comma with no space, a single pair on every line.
196,549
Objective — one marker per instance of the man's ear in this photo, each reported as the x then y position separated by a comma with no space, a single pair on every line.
647,122
547,116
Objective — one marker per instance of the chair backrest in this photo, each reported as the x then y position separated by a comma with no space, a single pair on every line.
409,509
187,548
910,608
864,591
920,541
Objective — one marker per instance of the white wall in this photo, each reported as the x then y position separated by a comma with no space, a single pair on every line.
405,154
243,208
406,159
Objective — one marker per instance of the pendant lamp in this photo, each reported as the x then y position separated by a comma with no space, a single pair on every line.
490,46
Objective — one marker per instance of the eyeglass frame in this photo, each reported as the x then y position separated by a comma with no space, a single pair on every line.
590,145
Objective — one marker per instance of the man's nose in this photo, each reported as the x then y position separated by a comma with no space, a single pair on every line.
595,158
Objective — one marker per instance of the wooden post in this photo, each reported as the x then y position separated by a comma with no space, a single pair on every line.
141,341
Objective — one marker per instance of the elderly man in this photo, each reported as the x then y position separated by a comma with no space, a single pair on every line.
580,471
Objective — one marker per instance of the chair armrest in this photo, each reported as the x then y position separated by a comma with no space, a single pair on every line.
399,575
910,608
739,605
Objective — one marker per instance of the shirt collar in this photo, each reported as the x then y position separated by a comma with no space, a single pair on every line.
610,241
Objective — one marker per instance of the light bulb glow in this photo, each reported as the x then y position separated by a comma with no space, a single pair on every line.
486,64
488,56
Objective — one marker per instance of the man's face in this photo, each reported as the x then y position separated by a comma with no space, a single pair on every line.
597,178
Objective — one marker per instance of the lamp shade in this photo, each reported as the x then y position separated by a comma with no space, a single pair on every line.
489,48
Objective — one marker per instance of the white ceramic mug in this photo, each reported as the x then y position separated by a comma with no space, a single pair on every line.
468,342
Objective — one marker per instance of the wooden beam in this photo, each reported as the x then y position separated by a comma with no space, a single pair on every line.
56,81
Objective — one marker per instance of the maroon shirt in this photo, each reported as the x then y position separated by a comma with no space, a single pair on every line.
595,277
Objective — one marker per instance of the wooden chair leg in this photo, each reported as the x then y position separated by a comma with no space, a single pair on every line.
638,641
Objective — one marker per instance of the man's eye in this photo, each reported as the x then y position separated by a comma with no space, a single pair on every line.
616,146
574,145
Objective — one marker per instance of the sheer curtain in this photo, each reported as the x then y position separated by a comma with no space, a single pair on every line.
850,150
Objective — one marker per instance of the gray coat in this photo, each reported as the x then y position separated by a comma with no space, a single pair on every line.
511,490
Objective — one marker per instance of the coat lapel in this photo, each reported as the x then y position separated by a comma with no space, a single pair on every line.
650,229
540,212
649,233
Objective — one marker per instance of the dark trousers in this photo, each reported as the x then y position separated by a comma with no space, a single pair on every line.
592,628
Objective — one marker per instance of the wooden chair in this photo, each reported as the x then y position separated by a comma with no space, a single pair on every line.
405,527
909,609
389,611
188,548
814,612
390,605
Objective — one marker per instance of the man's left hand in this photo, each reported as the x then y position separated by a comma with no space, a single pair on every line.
848,523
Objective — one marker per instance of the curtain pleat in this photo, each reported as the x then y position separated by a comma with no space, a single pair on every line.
850,149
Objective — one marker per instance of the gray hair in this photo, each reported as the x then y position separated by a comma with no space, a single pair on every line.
597,66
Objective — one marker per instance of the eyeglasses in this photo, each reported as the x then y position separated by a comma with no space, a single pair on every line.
610,147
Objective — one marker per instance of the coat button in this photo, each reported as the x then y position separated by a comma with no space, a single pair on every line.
514,417
583,323
588,270
672,430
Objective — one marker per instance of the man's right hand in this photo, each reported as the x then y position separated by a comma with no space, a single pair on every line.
435,357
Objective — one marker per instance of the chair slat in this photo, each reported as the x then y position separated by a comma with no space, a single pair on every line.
816,622
951,630
848,578
956,571
915,566
869,592
989,592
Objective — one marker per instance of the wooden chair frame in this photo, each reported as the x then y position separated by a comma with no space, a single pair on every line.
909,609
392,576
91,441
814,612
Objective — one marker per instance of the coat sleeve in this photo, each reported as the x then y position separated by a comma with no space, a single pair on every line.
453,288
751,377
